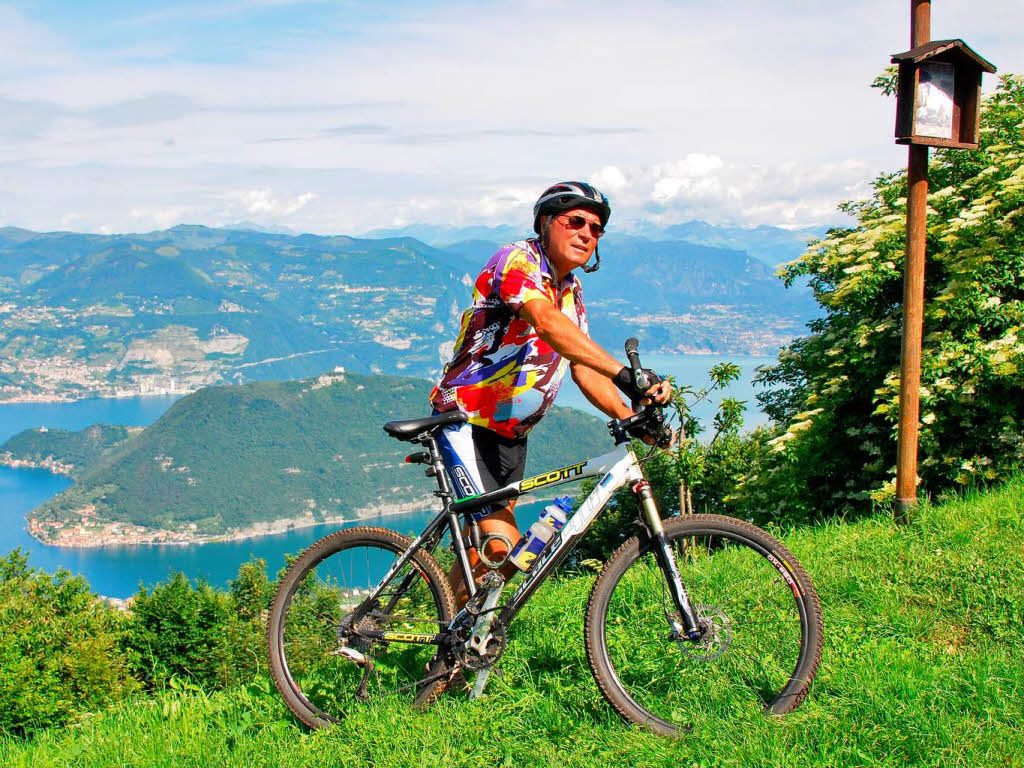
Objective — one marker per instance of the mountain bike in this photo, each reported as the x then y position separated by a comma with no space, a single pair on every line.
695,614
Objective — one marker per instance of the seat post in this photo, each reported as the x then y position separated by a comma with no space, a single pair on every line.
440,470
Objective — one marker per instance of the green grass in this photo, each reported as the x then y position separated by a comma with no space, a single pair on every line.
922,666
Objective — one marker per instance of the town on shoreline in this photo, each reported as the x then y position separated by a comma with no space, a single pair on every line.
91,532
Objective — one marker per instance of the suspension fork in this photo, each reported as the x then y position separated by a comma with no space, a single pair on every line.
667,561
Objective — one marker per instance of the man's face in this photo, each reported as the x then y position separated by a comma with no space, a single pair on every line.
569,248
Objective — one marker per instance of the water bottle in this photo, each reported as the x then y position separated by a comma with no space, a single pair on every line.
540,533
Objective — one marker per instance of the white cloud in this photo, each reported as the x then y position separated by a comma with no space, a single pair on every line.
155,218
706,187
462,114
25,44
609,179
263,204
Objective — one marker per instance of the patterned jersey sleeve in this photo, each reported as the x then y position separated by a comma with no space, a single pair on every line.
519,279
581,312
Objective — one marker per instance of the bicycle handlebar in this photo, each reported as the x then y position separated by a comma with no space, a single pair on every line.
648,419
639,377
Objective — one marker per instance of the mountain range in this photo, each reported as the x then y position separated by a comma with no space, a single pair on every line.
177,309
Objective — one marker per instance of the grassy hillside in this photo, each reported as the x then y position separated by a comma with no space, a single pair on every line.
227,457
922,666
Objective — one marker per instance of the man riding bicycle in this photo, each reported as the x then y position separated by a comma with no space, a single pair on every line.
526,324
365,611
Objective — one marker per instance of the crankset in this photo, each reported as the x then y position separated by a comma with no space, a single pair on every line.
483,654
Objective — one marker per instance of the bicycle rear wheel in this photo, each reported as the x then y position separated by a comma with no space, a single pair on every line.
320,609
759,613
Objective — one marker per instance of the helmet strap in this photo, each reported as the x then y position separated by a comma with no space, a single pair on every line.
545,231
597,263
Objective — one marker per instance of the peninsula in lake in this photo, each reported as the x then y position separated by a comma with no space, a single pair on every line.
230,462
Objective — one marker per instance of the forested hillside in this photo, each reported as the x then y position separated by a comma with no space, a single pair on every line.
66,451
232,457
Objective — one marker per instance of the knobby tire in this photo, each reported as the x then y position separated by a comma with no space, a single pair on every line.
320,591
763,621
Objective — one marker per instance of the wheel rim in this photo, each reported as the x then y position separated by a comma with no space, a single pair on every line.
754,631
318,619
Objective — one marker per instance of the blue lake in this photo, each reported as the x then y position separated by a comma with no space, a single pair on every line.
118,572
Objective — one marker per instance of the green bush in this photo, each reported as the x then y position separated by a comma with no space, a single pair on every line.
250,593
196,633
59,656
836,390
251,590
180,630
65,652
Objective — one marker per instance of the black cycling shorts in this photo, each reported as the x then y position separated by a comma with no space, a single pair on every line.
480,460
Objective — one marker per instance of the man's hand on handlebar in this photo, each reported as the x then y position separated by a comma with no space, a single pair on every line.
666,439
645,388
659,394
654,431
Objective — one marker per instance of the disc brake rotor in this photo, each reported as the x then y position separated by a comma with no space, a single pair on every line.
716,634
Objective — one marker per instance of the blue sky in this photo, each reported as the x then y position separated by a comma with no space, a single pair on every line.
339,117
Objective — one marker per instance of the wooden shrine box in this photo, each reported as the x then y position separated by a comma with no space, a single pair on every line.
939,97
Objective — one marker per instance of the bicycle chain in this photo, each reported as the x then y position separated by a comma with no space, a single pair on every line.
446,671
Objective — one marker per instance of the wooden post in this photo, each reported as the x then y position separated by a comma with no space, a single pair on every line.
913,297
921,22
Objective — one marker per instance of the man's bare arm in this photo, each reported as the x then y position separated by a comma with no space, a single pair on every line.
562,335
600,391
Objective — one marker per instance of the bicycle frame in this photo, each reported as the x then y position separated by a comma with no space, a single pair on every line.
616,470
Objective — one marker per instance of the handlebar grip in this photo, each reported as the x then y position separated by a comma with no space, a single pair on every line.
639,377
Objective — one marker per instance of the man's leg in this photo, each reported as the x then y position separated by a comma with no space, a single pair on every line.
502,522
478,460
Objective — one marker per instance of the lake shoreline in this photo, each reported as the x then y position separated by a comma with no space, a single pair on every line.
94,533
74,397
50,464
58,399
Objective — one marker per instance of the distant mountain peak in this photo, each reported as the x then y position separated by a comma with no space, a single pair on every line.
251,226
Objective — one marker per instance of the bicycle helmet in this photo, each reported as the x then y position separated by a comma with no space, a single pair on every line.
565,196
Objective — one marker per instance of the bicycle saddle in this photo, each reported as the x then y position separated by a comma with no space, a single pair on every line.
408,429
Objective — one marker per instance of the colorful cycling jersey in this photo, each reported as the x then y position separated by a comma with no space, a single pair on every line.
501,373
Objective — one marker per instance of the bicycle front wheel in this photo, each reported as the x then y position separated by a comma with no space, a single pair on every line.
320,613
759,614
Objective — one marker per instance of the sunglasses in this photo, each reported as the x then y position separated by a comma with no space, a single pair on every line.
576,221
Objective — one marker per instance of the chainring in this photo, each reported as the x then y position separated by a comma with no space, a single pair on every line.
492,653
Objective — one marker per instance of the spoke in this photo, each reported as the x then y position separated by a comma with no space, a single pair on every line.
753,638
331,590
